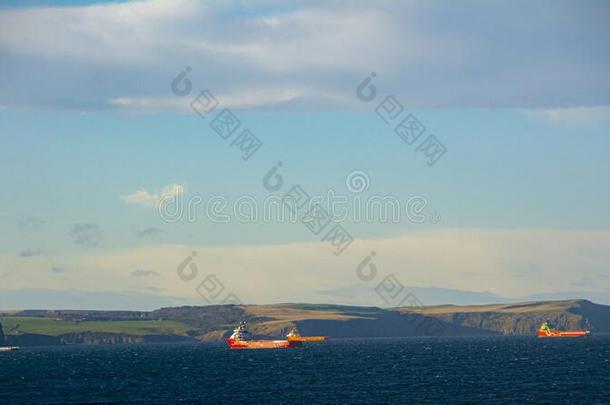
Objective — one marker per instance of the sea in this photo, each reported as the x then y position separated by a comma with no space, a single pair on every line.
344,371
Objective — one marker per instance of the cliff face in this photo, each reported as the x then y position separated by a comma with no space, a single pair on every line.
31,339
98,338
90,338
594,316
522,319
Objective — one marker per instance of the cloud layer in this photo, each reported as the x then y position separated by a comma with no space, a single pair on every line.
508,263
306,54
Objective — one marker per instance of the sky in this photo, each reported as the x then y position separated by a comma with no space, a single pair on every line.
127,183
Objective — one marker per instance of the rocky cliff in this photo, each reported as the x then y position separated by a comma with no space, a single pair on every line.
521,319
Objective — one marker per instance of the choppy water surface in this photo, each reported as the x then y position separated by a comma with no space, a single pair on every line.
475,370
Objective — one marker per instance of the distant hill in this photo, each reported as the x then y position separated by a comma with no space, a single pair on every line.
523,318
204,323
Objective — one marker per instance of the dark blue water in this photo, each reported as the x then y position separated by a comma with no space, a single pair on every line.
414,370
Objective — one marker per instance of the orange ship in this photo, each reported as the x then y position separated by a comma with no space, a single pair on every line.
241,339
294,336
546,331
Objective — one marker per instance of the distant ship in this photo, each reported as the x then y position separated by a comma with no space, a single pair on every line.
242,339
546,331
8,348
294,336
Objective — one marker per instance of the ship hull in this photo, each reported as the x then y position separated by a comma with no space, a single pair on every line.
261,344
564,334
306,338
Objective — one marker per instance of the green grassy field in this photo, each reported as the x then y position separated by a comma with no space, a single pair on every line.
55,327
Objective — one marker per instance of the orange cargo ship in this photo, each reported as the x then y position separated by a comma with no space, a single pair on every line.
546,331
241,339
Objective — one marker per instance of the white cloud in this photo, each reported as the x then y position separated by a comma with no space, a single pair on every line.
574,115
116,32
314,53
153,200
150,104
319,39
243,99
142,32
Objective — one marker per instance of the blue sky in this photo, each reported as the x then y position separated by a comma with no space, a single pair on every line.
92,134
